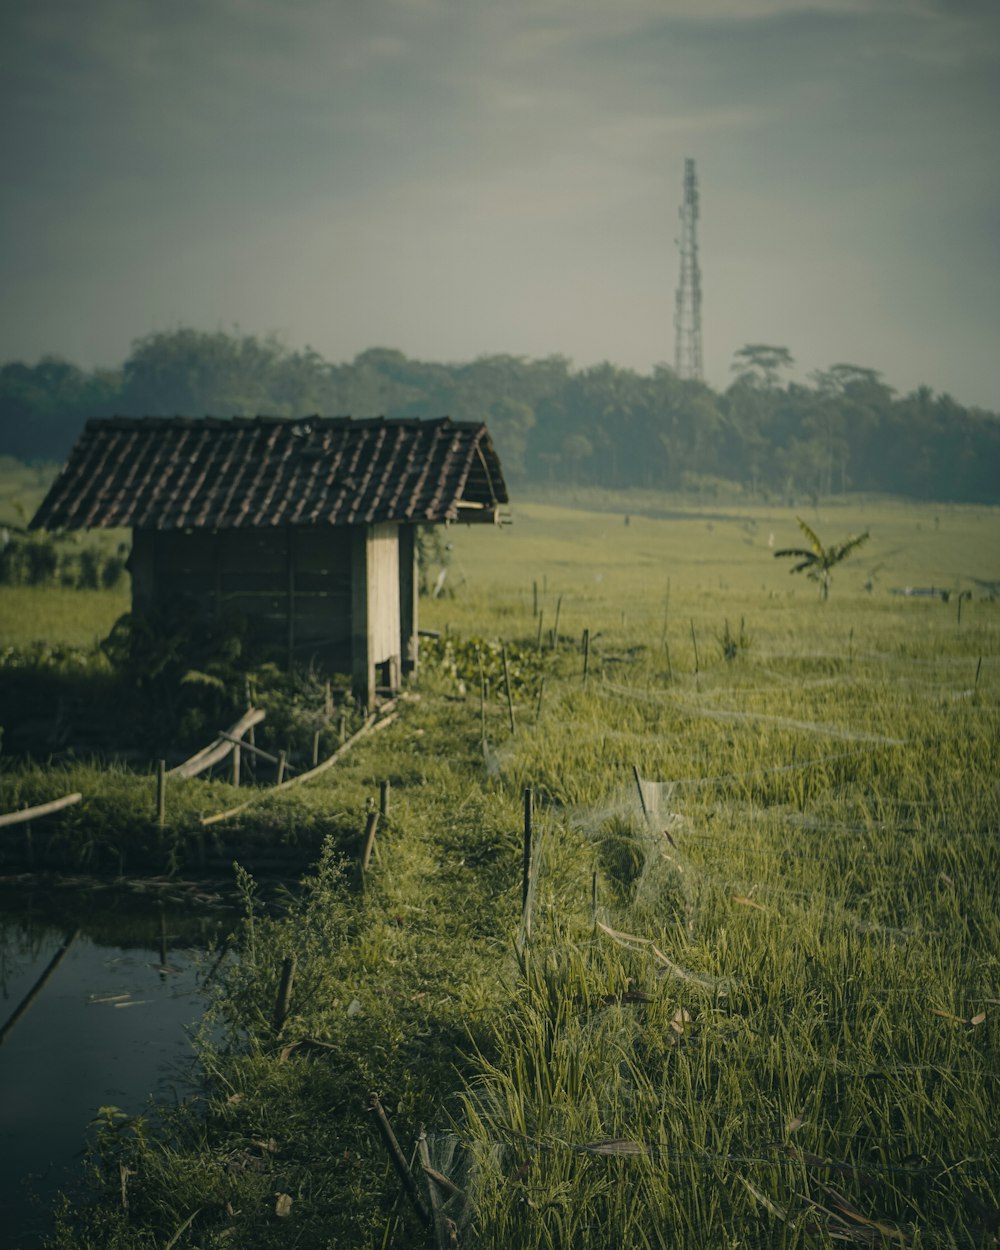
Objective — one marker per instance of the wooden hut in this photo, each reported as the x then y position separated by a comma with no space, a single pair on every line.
306,528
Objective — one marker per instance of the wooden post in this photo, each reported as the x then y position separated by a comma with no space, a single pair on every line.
526,864
282,761
161,792
586,654
383,798
506,682
284,993
482,697
370,828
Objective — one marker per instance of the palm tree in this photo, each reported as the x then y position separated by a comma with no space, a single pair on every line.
818,560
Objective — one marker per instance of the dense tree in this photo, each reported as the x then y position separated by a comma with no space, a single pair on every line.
602,425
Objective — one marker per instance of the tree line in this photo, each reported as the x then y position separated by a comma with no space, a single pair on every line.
603,426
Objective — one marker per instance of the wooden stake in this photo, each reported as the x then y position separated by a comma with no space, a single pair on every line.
534,598
506,682
161,792
555,628
370,828
284,993
526,864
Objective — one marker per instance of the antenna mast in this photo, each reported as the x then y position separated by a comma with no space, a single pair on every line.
687,315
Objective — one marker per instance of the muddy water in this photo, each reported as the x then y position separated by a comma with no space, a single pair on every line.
108,1026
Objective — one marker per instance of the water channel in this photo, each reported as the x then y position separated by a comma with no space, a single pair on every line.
99,992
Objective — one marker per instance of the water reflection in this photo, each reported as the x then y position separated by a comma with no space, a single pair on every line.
108,1026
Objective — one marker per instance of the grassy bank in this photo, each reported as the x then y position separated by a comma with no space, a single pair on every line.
760,1012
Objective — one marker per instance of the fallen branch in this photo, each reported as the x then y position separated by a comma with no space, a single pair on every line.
220,748
43,809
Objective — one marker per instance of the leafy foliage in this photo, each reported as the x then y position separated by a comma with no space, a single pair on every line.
602,426
817,562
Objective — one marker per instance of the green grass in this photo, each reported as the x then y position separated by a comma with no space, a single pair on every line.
774,1044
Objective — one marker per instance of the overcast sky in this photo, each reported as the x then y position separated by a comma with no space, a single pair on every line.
459,177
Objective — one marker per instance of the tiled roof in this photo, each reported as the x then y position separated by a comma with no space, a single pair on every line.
185,473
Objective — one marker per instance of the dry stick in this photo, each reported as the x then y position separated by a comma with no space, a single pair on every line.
161,792
978,667
694,640
44,809
442,1225
526,864
482,697
284,993
398,1160
506,682
392,1224
642,797
370,828
39,985
370,726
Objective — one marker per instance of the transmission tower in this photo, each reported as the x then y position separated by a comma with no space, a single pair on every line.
687,315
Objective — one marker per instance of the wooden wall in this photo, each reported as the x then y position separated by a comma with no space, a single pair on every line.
344,596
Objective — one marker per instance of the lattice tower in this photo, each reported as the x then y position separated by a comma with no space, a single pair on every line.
687,315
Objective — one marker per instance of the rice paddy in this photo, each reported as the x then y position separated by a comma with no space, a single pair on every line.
753,1001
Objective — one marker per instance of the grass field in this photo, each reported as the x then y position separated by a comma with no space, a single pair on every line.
761,1012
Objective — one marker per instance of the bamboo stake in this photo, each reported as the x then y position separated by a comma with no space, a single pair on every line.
526,864
369,842
39,985
398,1160
506,682
161,792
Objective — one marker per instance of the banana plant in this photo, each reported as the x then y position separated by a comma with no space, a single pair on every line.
817,561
